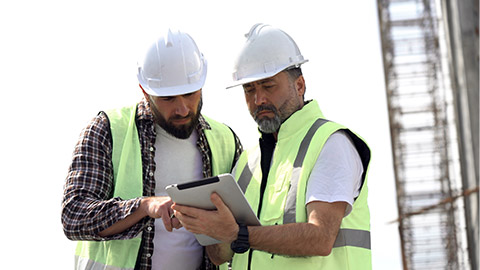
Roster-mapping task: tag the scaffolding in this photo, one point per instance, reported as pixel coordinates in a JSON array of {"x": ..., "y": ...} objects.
[{"x": 423, "y": 135}]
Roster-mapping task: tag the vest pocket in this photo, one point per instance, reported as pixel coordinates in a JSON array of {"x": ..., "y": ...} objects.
[
  {"x": 274, "y": 201},
  {"x": 271, "y": 216},
  {"x": 281, "y": 182}
]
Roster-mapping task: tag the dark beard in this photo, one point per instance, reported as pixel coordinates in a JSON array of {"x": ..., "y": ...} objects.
[{"x": 183, "y": 131}]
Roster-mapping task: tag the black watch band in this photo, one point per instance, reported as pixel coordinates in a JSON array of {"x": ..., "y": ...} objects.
[{"x": 241, "y": 245}]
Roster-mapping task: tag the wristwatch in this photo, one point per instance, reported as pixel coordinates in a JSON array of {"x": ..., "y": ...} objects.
[{"x": 241, "y": 244}]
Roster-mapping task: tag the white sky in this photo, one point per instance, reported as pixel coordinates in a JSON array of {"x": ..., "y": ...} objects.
[{"x": 63, "y": 61}]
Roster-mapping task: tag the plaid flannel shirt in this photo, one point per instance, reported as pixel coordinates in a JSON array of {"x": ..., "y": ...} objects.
[{"x": 88, "y": 205}]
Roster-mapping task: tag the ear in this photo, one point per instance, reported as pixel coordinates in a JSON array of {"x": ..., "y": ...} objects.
[{"x": 300, "y": 85}]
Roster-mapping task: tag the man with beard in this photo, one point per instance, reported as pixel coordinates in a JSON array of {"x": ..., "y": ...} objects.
[
  {"x": 306, "y": 179},
  {"x": 115, "y": 202}
]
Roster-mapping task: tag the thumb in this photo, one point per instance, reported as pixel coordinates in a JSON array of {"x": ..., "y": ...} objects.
[{"x": 218, "y": 202}]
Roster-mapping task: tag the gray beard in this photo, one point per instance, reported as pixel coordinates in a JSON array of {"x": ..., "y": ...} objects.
[{"x": 268, "y": 125}]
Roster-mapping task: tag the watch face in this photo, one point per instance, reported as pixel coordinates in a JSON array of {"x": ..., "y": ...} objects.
[{"x": 239, "y": 247}]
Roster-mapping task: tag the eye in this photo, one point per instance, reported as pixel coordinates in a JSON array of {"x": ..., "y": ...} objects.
[
  {"x": 167, "y": 98},
  {"x": 248, "y": 89},
  {"x": 268, "y": 86}
]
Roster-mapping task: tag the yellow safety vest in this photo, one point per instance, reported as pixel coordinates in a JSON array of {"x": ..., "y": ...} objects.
[
  {"x": 127, "y": 165},
  {"x": 300, "y": 141}
]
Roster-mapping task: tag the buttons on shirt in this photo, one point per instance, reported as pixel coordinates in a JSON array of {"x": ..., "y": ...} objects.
[
  {"x": 150, "y": 173},
  {"x": 151, "y": 149},
  {"x": 149, "y": 228},
  {"x": 148, "y": 255}
]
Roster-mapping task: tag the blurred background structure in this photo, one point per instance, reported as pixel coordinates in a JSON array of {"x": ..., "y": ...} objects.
[{"x": 431, "y": 55}]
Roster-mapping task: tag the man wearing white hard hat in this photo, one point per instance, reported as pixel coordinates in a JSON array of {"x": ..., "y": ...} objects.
[
  {"x": 115, "y": 202},
  {"x": 307, "y": 178}
]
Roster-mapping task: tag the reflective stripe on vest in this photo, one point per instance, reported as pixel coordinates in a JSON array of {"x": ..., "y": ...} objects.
[
  {"x": 354, "y": 238},
  {"x": 85, "y": 263},
  {"x": 291, "y": 205}
]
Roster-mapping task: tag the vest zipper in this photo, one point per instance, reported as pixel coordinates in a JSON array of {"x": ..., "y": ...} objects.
[
  {"x": 267, "y": 146},
  {"x": 250, "y": 253}
]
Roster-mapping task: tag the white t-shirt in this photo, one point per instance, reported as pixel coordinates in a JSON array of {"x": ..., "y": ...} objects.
[
  {"x": 336, "y": 176},
  {"x": 176, "y": 161}
]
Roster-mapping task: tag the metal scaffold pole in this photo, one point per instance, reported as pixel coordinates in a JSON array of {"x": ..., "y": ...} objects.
[{"x": 424, "y": 135}]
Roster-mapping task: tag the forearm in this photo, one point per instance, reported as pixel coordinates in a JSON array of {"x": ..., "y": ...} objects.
[
  {"x": 318, "y": 234},
  {"x": 126, "y": 223},
  {"x": 83, "y": 219},
  {"x": 154, "y": 207},
  {"x": 219, "y": 253},
  {"x": 291, "y": 239}
]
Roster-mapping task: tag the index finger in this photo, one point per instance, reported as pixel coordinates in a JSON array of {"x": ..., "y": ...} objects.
[
  {"x": 167, "y": 222},
  {"x": 186, "y": 210}
]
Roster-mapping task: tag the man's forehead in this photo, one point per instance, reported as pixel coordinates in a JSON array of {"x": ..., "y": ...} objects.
[{"x": 267, "y": 80}]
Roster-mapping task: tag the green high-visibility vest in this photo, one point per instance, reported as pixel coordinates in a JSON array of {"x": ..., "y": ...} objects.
[
  {"x": 300, "y": 141},
  {"x": 127, "y": 165}
]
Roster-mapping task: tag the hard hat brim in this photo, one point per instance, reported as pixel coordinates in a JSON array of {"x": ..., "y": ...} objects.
[
  {"x": 262, "y": 76},
  {"x": 252, "y": 79},
  {"x": 174, "y": 90}
]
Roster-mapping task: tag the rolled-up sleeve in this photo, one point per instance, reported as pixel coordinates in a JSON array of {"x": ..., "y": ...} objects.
[{"x": 88, "y": 206}]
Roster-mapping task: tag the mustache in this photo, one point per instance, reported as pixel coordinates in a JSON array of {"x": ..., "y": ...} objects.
[
  {"x": 265, "y": 108},
  {"x": 179, "y": 117}
]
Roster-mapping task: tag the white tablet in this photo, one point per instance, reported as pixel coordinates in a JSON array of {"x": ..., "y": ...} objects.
[{"x": 197, "y": 194}]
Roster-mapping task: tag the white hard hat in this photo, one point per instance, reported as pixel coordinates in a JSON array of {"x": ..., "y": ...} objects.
[
  {"x": 267, "y": 52},
  {"x": 172, "y": 65}
]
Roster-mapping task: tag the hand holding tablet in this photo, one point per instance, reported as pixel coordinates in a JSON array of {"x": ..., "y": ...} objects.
[{"x": 197, "y": 194}]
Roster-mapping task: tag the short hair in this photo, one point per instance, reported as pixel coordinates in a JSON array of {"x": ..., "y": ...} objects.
[{"x": 293, "y": 73}]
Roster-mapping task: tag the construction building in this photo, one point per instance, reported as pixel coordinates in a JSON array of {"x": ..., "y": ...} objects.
[{"x": 431, "y": 56}]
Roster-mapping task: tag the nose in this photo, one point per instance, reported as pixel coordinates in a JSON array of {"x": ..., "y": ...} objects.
[
  {"x": 260, "y": 97},
  {"x": 181, "y": 107}
]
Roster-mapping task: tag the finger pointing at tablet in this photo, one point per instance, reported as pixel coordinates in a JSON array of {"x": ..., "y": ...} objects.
[{"x": 160, "y": 207}]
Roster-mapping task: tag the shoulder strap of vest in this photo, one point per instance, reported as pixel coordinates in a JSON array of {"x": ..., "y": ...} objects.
[
  {"x": 289, "y": 215},
  {"x": 126, "y": 153},
  {"x": 222, "y": 146}
]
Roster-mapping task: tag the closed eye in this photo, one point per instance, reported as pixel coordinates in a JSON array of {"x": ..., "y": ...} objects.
[{"x": 167, "y": 98}]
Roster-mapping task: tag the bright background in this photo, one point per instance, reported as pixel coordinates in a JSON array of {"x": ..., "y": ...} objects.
[{"x": 63, "y": 61}]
